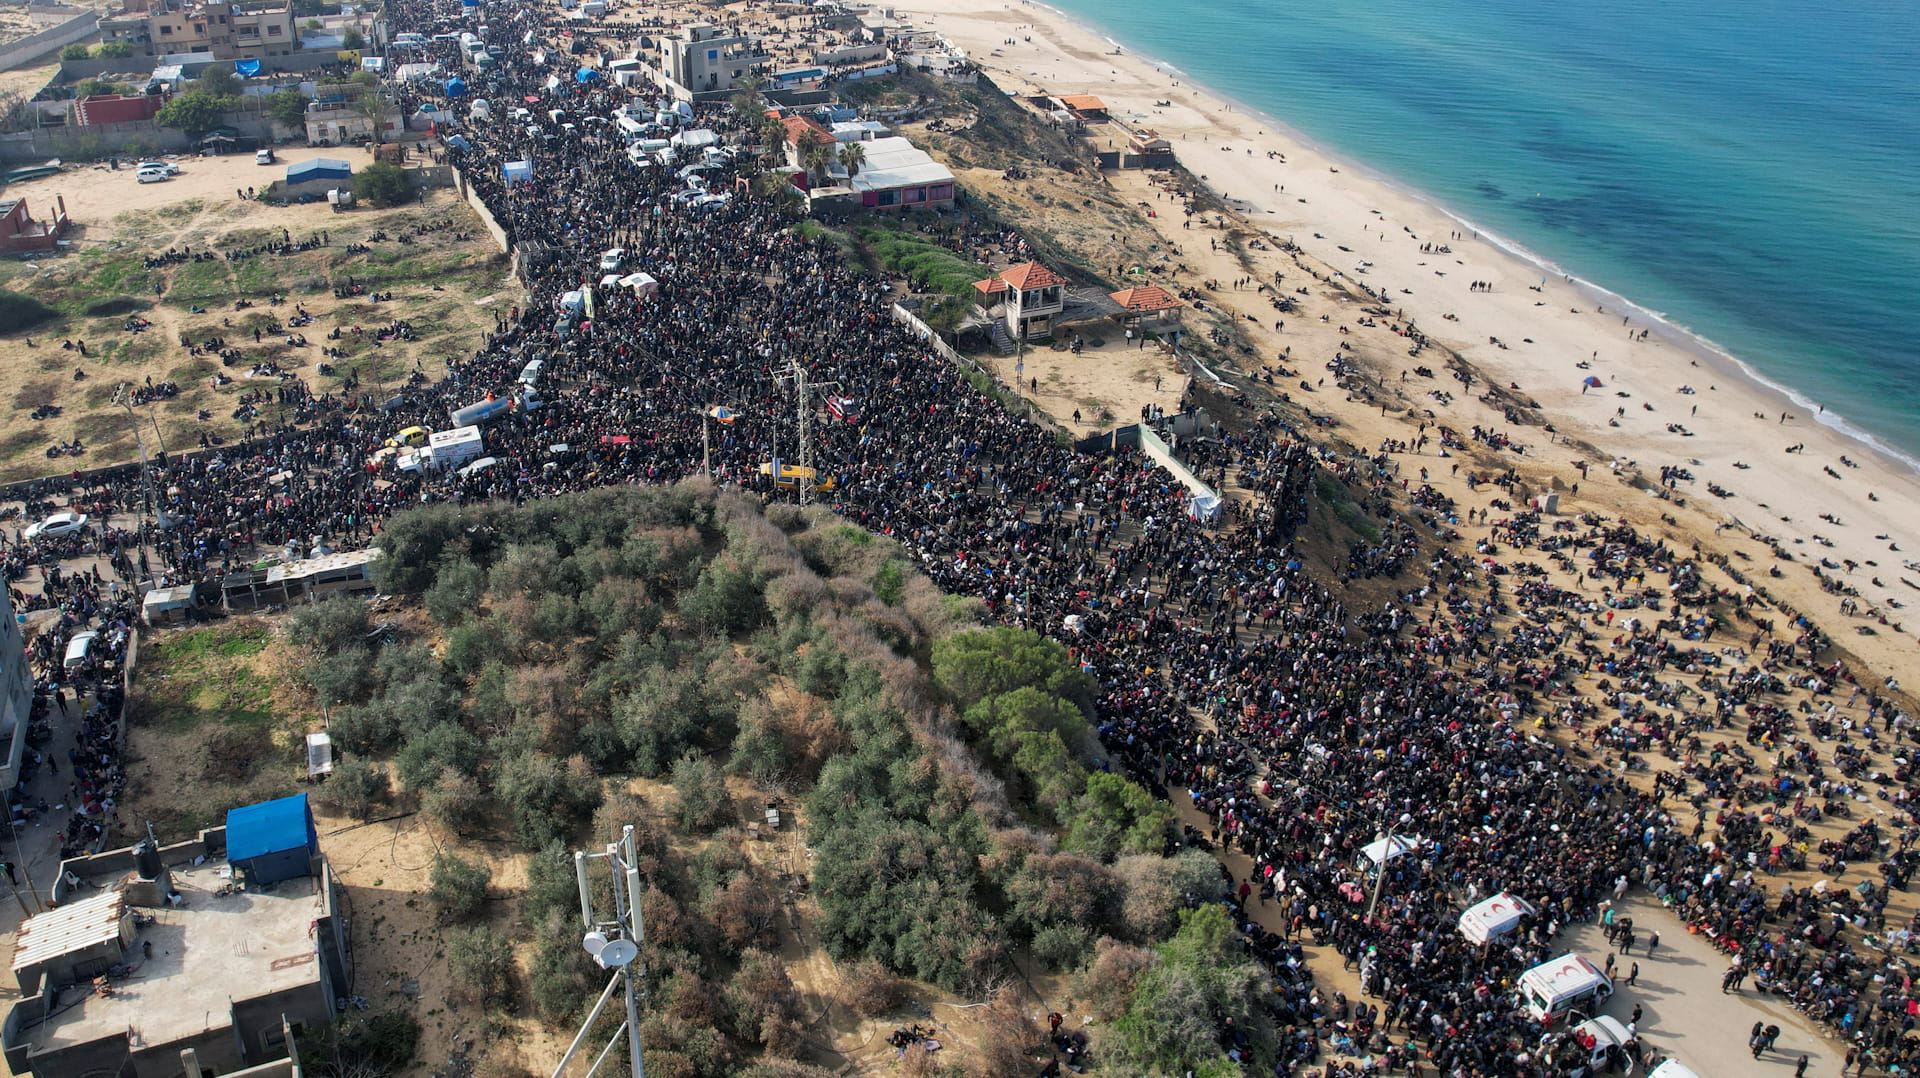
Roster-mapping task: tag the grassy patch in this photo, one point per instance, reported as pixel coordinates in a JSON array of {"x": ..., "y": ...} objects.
[
  {"x": 207, "y": 676},
  {"x": 200, "y": 282}
]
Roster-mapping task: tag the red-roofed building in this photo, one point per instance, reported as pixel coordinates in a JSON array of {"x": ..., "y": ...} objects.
[
  {"x": 1030, "y": 296},
  {"x": 1085, "y": 107},
  {"x": 1148, "y": 309},
  {"x": 800, "y": 130}
]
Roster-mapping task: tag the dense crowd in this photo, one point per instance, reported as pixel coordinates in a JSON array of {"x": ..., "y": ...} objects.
[{"x": 1302, "y": 727}]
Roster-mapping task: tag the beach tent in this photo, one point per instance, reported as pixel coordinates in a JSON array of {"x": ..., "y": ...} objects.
[
  {"x": 1591, "y": 382},
  {"x": 458, "y": 142},
  {"x": 586, "y": 75},
  {"x": 273, "y": 840}
]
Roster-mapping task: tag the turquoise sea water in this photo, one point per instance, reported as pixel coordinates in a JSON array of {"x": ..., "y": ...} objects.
[{"x": 1750, "y": 170}]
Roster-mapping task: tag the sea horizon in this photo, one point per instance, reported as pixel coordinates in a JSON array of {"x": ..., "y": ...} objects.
[{"x": 1696, "y": 263}]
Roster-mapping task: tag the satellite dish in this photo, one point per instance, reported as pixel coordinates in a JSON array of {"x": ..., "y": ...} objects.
[
  {"x": 617, "y": 954},
  {"x": 609, "y": 954}
]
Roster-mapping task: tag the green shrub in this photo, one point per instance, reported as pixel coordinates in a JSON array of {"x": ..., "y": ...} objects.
[
  {"x": 330, "y": 625},
  {"x": 480, "y": 963},
  {"x": 458, "y": 887},
  {"x": 701, "y": 793},
  {"x": 19, "y": 313},
  {"x": 383, "y": 184},
  {"x": 357, "y": 788}
]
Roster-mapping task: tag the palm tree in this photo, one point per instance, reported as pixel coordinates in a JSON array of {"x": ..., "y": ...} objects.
[
  {"x": 813, "y": 154},
  {"x": 852, "y": 156}
]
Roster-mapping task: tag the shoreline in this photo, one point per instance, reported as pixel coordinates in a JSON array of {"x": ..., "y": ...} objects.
[
  {"x": 1836, "y": 514},
  {"x": 1675, "y": 333}
]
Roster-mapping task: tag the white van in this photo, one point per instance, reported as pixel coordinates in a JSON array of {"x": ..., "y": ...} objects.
[
  {"x": 1601, "y": 1042},
  {"x": 1672, "y": 1068},
  {"x": 1568, "y": 983},
  {"x": 1494, "y": 918},
  {"x": 79, "y": 648},
  {"x": 530, "y": 374}
]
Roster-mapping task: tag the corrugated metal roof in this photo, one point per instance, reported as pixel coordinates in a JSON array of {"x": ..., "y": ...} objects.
[
  {"x": 294, "y": 570},
  {"x": 76, "y": 927}
]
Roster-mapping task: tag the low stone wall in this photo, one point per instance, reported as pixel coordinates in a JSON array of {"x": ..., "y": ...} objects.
[{"x": 33, "y": 46}]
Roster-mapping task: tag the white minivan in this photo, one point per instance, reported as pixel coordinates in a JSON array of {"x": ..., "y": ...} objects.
[
  {"x": 1552, "y": 989},
  {"x": 79, "y": 647}
]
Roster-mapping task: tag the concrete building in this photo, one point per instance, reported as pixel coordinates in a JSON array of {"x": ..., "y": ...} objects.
[
  {"x": 894, "y": 174},
  {"x": 155, "y": 965},
  {"x": 335, "y": 117},
  {"x": 20, "y": 232},
  {"x": 16, "y": 690},
  {"x": 1030, "y": 296},
  {"x": 704, "y": 59},
  {"x": 229, "y": 31},
  {"x": 115, "y": 109}
]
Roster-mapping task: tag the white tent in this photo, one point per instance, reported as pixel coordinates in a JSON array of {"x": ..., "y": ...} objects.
[
  {"x": 1493, "y": 918},
  {"x": 642, "y": 283}
]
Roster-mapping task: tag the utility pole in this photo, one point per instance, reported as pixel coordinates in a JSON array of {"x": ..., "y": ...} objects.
[
  {"x": 803, "y": 385},
  {"x": 614, "y": 944},
  {"x": 1380, "y": 870}
]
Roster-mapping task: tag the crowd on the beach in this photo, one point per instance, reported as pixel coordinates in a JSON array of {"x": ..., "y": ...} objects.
[{"x": 1507, "y": 721}]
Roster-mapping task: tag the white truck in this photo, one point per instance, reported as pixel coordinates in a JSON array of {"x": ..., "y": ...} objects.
[{"x": 453, "y": 448}]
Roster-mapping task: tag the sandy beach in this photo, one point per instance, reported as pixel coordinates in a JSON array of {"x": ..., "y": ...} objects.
[{"x": 1663, "y": 399}]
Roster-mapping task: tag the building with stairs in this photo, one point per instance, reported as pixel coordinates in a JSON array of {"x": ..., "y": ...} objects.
[{"x": 1025, "y": 299}]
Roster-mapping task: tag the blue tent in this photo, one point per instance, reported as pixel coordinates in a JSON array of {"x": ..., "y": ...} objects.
[
  {"x": 246, "y": 69},
  {"x": 273, "y": 840},
  {"x": 456, "y": 87},
  {"x": 319, "y": 168},
  {"x": 586, "y": 75}
]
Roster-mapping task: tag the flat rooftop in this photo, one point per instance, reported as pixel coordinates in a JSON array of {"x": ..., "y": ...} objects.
[{"x": 206, "y": 955}]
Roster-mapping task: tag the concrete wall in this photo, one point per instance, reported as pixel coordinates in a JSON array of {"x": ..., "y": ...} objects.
[
  {"x": 472, "y": 198},
  {"x": 96, "y": 140},
  {"x": 17, "y": 53},
  {"x": 75, "y": 70}
]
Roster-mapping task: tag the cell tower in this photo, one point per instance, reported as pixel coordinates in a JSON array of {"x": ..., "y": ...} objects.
[
  {"x": 614, "y": 944},
  {"x": 803, "y": 409}
]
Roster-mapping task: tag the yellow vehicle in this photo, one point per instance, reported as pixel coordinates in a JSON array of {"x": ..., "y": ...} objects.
[
  {"x": 410, "y": 436},
  {"x": 792, "y": 476}
]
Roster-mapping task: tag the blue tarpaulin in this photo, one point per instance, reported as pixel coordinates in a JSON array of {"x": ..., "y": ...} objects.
[
  {"x": 246, "y": 69},
  {"x": 272, "y": 841},
  {"x": 586, "y": 75}
]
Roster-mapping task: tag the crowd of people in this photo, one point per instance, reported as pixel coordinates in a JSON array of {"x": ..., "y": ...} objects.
[{"x": 1506, "y": 721}]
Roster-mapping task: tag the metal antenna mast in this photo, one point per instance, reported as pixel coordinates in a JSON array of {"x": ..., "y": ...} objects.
[
  {"x": 614, "y": 944},
  {"x": 802, "y": 386}
]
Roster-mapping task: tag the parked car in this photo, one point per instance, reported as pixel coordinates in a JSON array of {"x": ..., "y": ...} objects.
[
  {"x": 167, "y": 167},
  {"x": 612, "y": 259},
  {"x": 263, "y": 157},
  {"x": 152, "y": 175},
  {"x": 57, "y": 524}
]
